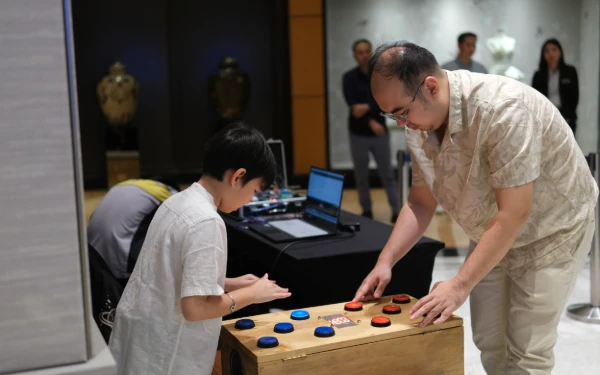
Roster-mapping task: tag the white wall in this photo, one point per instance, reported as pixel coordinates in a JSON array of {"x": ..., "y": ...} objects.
[
  {"x": 435, "y": 25},
  {"x": 42, "y": 316},
  {"x": 589, "y": 79}
]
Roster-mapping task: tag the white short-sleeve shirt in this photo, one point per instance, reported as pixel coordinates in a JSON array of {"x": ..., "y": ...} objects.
[
  {"x": 502, "y": 133},
  {"x": 184, "y": 254}
]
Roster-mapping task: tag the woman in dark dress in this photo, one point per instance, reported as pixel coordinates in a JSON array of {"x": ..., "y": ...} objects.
[{"x": 558, "y": 81}]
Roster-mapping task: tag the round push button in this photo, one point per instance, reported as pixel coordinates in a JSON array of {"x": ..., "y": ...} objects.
[
  {"x": 244, "y": 324},
  {"x": 324, "y": 331},
  {"x": 391, "y": 309},
  {"x": 267, "y": 342},
  {"x": 353, "y": 306},
  {"x": 283, "y": 328},
  {"x": 299, "y": 315},
  {"x": 401, "y": 298},
  {"x": 380, "y": 321}
]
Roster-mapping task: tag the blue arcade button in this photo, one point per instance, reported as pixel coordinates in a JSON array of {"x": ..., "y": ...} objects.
[
  {"x": 267, "y": 342},
  {"x": 284, "y": 328},
  {"x": 300, "y": 315},
  {"x": 324, "y": 331},
  {"x": 244, "y": 324}
]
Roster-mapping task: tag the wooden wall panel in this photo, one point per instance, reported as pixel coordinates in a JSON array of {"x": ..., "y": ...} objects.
[
  {"x": 306, "y": 50},
  {"x": 305, "y": 7},
  {"x": 307, "y": 70},
  {"x": 308, "y": 133}
]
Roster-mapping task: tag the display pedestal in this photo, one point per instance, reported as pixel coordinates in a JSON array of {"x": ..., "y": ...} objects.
[{"x": 121, "y": 166}]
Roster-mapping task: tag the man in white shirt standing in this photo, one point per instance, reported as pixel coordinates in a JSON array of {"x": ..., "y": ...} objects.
[{"x": 502, "y": 161}]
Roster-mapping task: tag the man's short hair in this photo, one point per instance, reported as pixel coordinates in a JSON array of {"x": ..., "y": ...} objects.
[
  {"x": 410, "y": 64},
  {"x": 463, "y": 36},
  {"x": 357, "y": 42},
  {"x": 240, "y": 146}
]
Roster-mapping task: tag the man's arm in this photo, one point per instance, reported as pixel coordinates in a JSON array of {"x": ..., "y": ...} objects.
[
  {"x": 575, "y": 89},
  {"x": 513, "y": 146},
  {"x": 514, "y": 206},
  {"x": 414, "y": 218},
  {"x": 412, "y": 222},
  {"x": 358, "y": 109}
]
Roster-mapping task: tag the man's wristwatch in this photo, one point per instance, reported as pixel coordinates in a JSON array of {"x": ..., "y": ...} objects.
[{"x": 232, "y": 302}]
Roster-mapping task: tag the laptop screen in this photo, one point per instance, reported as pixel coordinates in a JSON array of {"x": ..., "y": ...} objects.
[{"x": 324, "y": 195}]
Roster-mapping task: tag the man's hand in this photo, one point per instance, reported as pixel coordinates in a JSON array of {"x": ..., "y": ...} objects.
[
  {"x": 445, "y": 298},
  {"x": 377, "y": 128},
  {"x": 379, "y": 277},
  {"x": 236, "y": 283},
  {"x": 359, "y": 110}
]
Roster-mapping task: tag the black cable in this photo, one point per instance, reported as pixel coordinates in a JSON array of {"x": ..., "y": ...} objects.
[
  {"x": 340, "y": 238},
  {"x": 271, "y": 274}
]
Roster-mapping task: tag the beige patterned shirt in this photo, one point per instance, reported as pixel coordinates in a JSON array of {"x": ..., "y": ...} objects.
[{"x": 500, "y": 134}]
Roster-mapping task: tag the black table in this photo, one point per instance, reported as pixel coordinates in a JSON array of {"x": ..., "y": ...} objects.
[{"x": 328, "y": 270}]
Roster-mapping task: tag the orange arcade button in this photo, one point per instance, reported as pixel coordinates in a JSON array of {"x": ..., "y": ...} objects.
[
  {"x": 401, "y": 299},
  {"x": 391, "y": 309},
  {"x": 353, "y": 306},
  {"x": 381, "y": 321}
]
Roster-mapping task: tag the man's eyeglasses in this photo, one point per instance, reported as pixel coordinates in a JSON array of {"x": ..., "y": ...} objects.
[{"x": 403, "y": 118}]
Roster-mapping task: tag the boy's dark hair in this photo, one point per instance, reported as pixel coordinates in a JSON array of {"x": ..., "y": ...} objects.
[
  {"x": 410, "y": 65},
  {"x": 357, "y": 42},
  {"x": 240, "y": 146},
  {"x": 463, "y": 36}
]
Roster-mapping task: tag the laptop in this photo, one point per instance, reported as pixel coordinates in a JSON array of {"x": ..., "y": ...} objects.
[{"x": 320, "y": 215}]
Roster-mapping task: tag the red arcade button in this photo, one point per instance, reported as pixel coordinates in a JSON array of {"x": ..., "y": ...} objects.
[
  {"x": 401, "y": 298},
  {"x": 380, "y": 321},
  {"x": 353, "y": 306},
  {"x": 391, "y": 309}
]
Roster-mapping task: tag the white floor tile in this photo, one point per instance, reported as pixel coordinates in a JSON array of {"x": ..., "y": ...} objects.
[{"x": 577, "y": 349}]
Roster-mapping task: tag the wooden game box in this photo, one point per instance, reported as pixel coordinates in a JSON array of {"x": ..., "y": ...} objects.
[{"x": 356, "y": 347}]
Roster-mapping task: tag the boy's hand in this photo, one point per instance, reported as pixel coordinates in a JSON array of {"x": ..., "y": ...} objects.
[
  {"x": 265, "y": 290},
  {"x": 236, "y": 283}
]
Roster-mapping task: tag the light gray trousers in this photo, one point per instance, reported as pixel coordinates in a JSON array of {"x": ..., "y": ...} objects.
[{"x": 379, "y": 147}]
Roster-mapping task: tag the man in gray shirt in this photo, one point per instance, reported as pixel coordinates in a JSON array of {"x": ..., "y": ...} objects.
[{"x": 466, "y": 48}]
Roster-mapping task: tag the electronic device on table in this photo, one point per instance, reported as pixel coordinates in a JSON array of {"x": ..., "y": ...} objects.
[
  {"x": 320, "y": 215},
  {"x": 278, "y": 200}
]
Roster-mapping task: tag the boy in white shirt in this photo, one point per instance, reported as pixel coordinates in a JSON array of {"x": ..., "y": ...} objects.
[{"x": 169, "y": 317}]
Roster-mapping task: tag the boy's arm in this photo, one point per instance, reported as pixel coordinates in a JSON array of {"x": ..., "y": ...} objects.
[
  {"x": 204, "y": 263},
  {"x": 211, "y": 307},
  {"x": 236, "y": 283}
]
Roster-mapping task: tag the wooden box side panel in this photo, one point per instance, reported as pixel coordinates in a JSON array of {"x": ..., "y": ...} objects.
[
  {"x": 437, "y": 352},
  {"x": 229, "y": 345}
]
